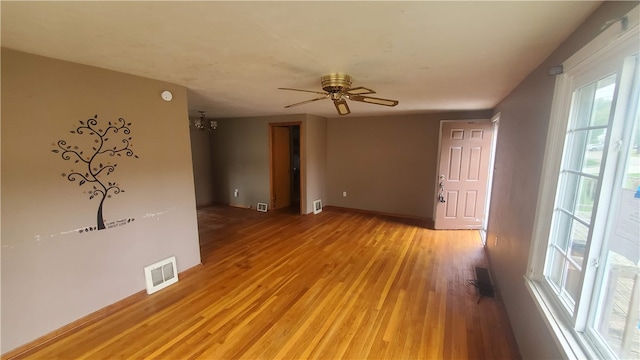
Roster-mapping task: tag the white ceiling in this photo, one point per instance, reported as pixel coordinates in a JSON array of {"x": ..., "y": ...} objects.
[{"x": 431, "y": 56}]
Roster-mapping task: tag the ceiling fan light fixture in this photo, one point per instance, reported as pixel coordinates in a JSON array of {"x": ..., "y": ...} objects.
[{"x": 337, "y": 87}]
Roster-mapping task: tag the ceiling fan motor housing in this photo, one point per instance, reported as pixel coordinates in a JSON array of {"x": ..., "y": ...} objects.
[{"x": 335, "y": 83}]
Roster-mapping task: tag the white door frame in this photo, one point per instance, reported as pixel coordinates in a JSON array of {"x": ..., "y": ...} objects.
[{"x": 495, "y": 120}]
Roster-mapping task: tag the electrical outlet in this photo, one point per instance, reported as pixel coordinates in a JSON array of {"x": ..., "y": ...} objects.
[
  {"x": 235, "y": 193},
  {"x": 495, "y": 242},
  {"x": 344, "y": 194}
]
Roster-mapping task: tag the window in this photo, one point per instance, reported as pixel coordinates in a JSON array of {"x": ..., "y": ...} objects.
[
  {"x": 578, "y": 180},
  {"x": 584, "y": 265}
]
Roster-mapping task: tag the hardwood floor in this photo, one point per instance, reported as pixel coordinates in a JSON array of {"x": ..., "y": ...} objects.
[{"x": 334, "y": 285}]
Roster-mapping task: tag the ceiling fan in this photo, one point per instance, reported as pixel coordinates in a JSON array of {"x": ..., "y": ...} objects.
[{"x": 337, "y": 87}]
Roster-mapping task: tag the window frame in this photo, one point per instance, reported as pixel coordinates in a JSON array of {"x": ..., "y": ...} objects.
[
  {"x": 622, "y": 130},
  {"x": 567, "y": 330}
]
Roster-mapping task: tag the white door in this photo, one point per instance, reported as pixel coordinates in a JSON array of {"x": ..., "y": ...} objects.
[{"x": 465, "y": 154}]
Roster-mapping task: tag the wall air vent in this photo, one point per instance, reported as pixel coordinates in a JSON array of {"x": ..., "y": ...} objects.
[
  {"x": 317, "y": 206},
  {"x": 161, "y": 274}
]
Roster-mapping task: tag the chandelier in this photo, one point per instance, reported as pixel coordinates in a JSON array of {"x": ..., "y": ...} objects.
[{"x": 203, "y": 124}]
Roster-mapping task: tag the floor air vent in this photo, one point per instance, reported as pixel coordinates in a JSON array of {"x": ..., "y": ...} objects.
[
  {"x": 161, "y": 274},
  {"x": 483, "y": 282}
]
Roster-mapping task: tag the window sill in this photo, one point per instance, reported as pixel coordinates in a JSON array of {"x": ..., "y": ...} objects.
[{"x": 572, "y": 345}]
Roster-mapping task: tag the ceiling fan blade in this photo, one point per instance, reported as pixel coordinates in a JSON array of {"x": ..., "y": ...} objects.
[
  {"x": 341, "y": 106},
  {"x": 308, "y": 101},
  {"x": 359, "y": 91},
  {"x": 311, "y": 91},
  {"x": 372, "y": 100}
]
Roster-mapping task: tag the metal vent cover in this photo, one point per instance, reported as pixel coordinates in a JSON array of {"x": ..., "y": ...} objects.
[{"x": 161, "y": 274}]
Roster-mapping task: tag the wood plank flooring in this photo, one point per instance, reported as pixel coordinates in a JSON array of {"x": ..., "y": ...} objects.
[{"x": 336, "y": 285}]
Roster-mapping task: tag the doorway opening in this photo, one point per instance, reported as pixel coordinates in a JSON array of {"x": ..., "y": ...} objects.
[{"x": 285, "y": 143}]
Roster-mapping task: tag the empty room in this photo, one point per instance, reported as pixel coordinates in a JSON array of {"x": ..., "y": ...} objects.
[{"x": 326, "y": 180}]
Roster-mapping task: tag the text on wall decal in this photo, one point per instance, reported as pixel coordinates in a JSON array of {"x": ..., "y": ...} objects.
[{"x": 95, "y": 147}]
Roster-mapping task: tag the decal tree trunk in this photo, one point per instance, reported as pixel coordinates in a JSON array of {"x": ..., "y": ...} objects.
[{"x": 100, "y": 218}]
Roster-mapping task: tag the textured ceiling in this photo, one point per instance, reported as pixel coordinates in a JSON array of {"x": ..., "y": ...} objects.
[{"x": 431, "y": 56}]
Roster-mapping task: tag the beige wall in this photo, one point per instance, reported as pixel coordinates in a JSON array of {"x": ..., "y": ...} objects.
[
  {"x": 51, "y": 273},
  {"x": 386, "y": 163},
  {"x": 520, "y": 149},
  {"x": 202, "y": 168},
  {"x": 240, "y": 158},
  {"x": 316, "y": 160}
]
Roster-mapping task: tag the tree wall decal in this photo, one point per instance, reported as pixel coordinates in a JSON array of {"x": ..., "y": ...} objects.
[{"x": 91, "y": 156}]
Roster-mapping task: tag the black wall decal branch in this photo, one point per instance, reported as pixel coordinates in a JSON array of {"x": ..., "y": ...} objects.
[{"x": 94, "y": 160}]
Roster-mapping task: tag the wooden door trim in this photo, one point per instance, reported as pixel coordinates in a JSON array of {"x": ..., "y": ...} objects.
[{"x": 303, "y": 165}]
